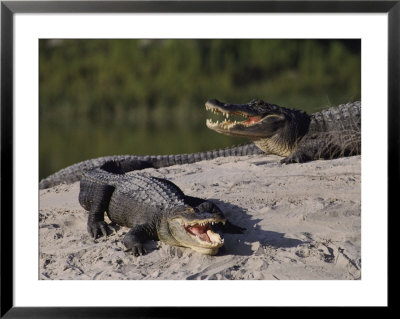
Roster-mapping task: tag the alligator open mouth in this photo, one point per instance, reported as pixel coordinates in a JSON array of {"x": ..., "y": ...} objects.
[
  {"x": 203, "y": 232},
  {"x": 232, "y": 118},
  {"x": 197, "y": 233}
]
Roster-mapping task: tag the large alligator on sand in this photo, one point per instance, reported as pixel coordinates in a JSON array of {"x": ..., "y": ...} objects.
[
  {"x": 299, "y": 137},
  {"x": 153, "y": 208},
  {"x": 290, "y": 133}
]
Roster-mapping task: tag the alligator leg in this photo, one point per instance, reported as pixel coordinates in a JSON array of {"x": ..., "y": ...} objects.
[
  {"x": 135, "y": 239},
  {"x": 301, "y": 155},
  {"x": 326, "y": 145},
  {"x": 101, "y": 195}
]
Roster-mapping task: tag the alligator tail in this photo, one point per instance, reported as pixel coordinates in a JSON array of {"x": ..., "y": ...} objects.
[{"x": 128, "y": 163}]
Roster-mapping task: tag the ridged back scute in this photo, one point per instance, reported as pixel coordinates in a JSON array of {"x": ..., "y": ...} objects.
[
  {"x": 149, "y": 186},
  {"x": 337, "y": 118},
  {"x": 139, "y": 198}
]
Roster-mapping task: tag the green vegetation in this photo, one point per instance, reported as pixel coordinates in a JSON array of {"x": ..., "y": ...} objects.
[{"x": 104, "y": 97}]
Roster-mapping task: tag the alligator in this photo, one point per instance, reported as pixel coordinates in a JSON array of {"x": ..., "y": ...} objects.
[
  {"x": 153, "y": 208},
  {"x": 290, "y": 133},
  {"x": 293, "y": 134}
]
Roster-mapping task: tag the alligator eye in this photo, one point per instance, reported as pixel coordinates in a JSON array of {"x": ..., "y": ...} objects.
[{"x": 256, "y": 102}]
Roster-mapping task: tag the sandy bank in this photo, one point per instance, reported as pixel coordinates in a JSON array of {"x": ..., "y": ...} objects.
[{"x": 303, "y": 221}]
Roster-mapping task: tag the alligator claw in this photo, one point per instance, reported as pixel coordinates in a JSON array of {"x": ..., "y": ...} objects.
[
  {"x": 97, "y": 229},
  {"x": 134, "y": 244},
  {"x": 296, "y": 157},
  {"x": 137, "y": 250}
]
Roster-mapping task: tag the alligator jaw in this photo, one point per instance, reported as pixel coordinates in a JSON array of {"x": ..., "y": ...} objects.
[
  {"x": 226, "y": 126},
  {"x": 196, "y": 234},
  {"x": 239, "y": 111},
  {"x": 202, "y": 231},
  {"x": 273, "y": 129}
]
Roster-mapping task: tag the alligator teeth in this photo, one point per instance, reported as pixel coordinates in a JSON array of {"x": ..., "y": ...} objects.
[{"x": 226, "y": 123}]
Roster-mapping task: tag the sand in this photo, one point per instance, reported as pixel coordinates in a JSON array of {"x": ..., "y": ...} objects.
[{"x": 303, "y": 221}]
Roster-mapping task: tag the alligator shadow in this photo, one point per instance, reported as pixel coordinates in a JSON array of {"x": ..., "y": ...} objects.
[{"x": 240, "y": 244}]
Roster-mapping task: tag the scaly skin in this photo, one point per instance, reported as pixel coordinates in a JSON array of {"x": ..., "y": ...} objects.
[
  {"x": 128, "y": 163},
  {"x": 293, "y": 134},
  {"x": 153, "y": 208}
]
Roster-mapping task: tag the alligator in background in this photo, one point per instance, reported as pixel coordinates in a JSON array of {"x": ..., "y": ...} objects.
[
  {"x": 153, "y": 208},
  {"x": 299, "y": 137},
  {"x": 290, "y": 133}
]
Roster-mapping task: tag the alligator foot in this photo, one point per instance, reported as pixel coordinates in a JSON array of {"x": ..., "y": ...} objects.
[
  {"x": 301, "y": 155},
  {"x": 133, "y": 241},
  {"x": 98, "y": 228},
  {"x": 297, "y": 158},
  {"x": 137, "y": 250}
]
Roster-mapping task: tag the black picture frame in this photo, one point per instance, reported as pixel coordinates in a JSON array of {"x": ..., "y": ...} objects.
[{"x": 9, "y": 8}]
